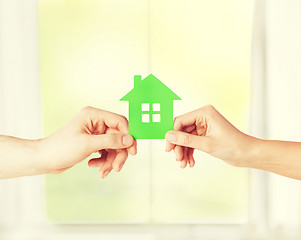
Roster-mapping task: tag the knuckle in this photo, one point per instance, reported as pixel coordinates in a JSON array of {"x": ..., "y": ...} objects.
[
  {"x": 209, "y": 107},
  {"x": 86, "y": 109},
  {"x": 177, "y": 123},
  {"x": 176, "y": 119},
  {"x": 124, "y": 119},
  {"x": 208, "y": 110}
]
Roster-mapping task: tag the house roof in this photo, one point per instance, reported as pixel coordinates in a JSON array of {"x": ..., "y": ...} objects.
[{"x": 148, "y": 89}]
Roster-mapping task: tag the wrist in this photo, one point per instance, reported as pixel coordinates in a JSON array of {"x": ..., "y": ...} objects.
[
  {"x": 252, "y": 152},
  {"x": 40, "y": 155},
  {"x": 30, "y": 155}
]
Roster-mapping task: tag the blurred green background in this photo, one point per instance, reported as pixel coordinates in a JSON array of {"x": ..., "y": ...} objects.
[{"x": 91, "y": 49}]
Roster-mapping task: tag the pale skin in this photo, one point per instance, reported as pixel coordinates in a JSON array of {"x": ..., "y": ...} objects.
[
  {"x": 205, "y": 129},
  {"x": 91, "y": 130},
  {"x": 94, "y": 130}
]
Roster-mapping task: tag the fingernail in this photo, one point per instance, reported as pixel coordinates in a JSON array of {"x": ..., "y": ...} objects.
[
  {"x": 106, "y": 174},
  {"x": 177, "y": 157},
  {"x": 170, "y": 137},
  {"x": 127, "y": 140},
  {"x": 182, "y": 164}
]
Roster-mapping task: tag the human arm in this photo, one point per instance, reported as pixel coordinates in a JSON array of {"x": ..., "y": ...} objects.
[
  {"x": 91, "y": 130},
  {"x": 207, "y": 130}
]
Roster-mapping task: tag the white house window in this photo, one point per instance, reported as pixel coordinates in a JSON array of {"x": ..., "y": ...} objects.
[
  {"x": 156, "y": 107},
  {"x": 156, "y": 117},
  {"x": 145, "y": 107},
  {"x": 145, "y": 117}
]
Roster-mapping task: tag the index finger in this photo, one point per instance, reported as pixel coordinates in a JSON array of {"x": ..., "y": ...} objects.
[
  {"x": 181, "y": 122},
  {"x": 187, "y": 119},
  {"x": 102, "y": 118},
  {"x": 113, "y": 120},
  {"x": 120, "y": 123}
]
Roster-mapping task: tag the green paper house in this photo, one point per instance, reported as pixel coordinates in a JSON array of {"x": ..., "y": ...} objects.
[{"x": 150, "y": 108}]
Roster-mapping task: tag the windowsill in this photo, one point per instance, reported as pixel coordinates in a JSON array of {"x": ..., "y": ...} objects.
[{"x": 144, "y": 232}]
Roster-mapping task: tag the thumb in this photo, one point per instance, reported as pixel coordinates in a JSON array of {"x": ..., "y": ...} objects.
[
  {"x": 111, "y": 141},
  {"x": 188, "y": 140}
]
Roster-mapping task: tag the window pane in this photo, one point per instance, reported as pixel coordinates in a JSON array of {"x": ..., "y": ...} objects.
[
  {"x": 156, "y": 118},
  {"x": 145, "y": 106},
  {"x": 145, "y": 118},
  {"x": 211, "y": 40},
  {"x": 156, "y": 107},
  {"x": 90, "y": 52}
]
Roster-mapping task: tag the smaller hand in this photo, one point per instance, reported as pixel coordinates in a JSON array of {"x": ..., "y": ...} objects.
[
  {"x": 91, "y": 130},
  {"x": 207, "y": 130}
]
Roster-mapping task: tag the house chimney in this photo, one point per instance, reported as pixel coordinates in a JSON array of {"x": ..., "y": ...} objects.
[{"x": 137, "y": 80}]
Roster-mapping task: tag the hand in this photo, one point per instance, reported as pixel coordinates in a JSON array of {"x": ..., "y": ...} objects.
[
  {"x": 207, "y": 130},
  {"x": 91, "y": 130}
]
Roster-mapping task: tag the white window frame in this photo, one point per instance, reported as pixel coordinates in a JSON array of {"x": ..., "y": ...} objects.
[{"x": 27, "y": 217}]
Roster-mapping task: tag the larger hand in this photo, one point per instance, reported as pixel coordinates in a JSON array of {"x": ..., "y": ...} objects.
[{"x": 91, "y": 130}]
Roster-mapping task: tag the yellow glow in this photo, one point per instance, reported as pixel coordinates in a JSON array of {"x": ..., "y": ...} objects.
[{"x": 90, "y": 51}]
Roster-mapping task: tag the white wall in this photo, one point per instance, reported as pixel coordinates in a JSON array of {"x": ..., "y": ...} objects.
[
  {"x": 283, "y": 74},
  {"x": 19, "y": 103},
  {"x": 276, "y": 110}
]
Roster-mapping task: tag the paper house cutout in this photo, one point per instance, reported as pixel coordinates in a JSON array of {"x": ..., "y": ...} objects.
[{"x": 150, "y": 108}]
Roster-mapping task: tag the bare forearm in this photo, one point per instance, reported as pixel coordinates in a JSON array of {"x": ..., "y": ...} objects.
[
  {"x": 19, "y": 157},
  {"x": 280, "y": 157}
]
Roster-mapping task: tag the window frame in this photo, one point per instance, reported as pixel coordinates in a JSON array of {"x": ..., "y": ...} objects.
[
  {"x": 151, "y": 112},
  {"x": 27, "y": 217}
]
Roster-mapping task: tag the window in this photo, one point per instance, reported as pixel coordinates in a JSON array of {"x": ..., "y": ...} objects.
[
  {"x": 145, "y": 107},
  {"x": 156, "y": 117},
  {"x": 155, "y": 108},
  {"x": 145, "y": 118},
  {"x": 103, "y": 44},
  {"x": 21, "y": 201}
]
